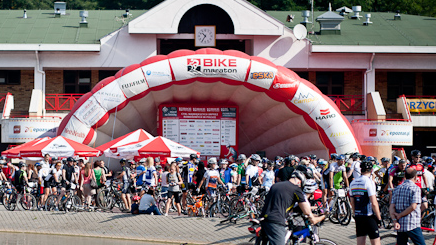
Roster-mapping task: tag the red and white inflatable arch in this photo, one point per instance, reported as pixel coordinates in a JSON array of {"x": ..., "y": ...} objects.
[{"x": 279, "y": 112}]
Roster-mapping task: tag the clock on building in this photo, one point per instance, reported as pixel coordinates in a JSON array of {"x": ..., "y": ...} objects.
[{"x": 205, "y": 36}]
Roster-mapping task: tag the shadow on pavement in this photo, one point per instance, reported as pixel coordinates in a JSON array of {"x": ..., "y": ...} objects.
[
  {"x": 247, "y": 237},
  {"x": 120, "y": 216}
]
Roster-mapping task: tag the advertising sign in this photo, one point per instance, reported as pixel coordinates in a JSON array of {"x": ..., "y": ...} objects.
[
  {"x": 384, "y": 133},
  {"x": 24, "y": 129},
  {"x": 210, "y": 66},
  {"x": 421, "y": 105},
  {"x": 211, "y": 130}
]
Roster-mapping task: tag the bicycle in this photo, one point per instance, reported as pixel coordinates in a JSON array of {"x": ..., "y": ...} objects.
[
  {"x": 307, "y": 234},
  {"x": 68, "y": 202},
  {"x": 340, "y": 209},
  {"x": 221, "y": 204},
  {"x": 243, "y": 206},
  {"x": 110, "y": 197},
  {"x": 383, "y": 202},
  {"x": 12, "y": 199}
]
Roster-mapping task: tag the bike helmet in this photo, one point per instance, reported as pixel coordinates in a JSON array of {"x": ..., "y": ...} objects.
[
  {"x": 233, "y": 165},
  {"x": 70, "y": 159},
  {"x": 193, "y": 156},
  {"x": 38, "y": 164},
  {"x": 355, "y": 155},
  {"x": 322, "y": 162},
  {"x": 312, "y": 156},
  {"x": 416, "y": 153},
  {"x": 333, "y": 156},
  {"x": 212, "y": 160},
  {"x": 242, "y": 157},
  {"x": 278, "y": 158},
  {"x": 292, "y": 157},
  {"x": 54, "y": 159},
  {"x": 385, "y": 159},
  {"x": 122, "y": 160},
  {"x": 136, "y": 198},
  {"x": 21, "y": 164},
  {"x": 142, "y": 160},
  {"x": 370, "y": 158},
  {"x": 340, "y": 157},
  {"x": 310, "y": 186},
  {"x": 306, "y": 171},
  {"x": 255, "y": 157},
  {"x": 301, "y": 176},
  {"x": 223, "y": 161},
  {"x": 179, "y": 159},
  {"x": 429, "y": 160},
  {"x": 366, "y": 166}
]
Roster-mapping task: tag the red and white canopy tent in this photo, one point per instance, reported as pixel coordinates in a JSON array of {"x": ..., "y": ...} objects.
[
  {"x": 59, "y": 147},
  {"x": 130, "y": 138},
  {"x": 15, "y": 152},
  {"x": 156, "y": 147}
]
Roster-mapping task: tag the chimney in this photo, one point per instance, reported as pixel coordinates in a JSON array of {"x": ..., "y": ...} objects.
[
  {"x": 306, "y": 15},
  {"x": 367, "y": 22},
  {"x": 356, "y": 10},
  {"x": 330, "y": 23},
  {"x": 397, "y": 16},
  {"x": 83, "y": 22},
  {"x": 60, "y": 9},
  {"x": 25, "y": 14}
]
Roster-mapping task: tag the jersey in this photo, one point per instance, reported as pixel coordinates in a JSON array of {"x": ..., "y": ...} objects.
[
  {"x": 139, "y": 179},
  {"x": 337, "y": 174},
  {"x": 355, "y": 167},
  {"x": 419, "y": 173},
  {"x": 188, "y": 172},
  {"x": 398, "y": 176},
  {"x": 149, "y": 176},
  {"x": 361, "y": 189},
  {"x": 241, "y": 171},
  {"x": 212, "y": 178}
]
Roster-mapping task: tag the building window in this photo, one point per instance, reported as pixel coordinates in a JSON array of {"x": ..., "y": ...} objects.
[
  {"x": 331, "y": 83},
  {"x": 400, "y": 83},
  {"x": 106, "y": 73},
  {"x": 77, "y": 82},
  {"x": 10, "y": 77},
  {"x": 303, "y": 74},
  {"x": 428, "y": 84}
]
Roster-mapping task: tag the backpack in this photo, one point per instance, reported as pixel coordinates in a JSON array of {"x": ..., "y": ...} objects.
[{"x": 18, "y": 177}]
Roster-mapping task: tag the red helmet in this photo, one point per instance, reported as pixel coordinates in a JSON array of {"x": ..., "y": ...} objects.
[{"x": 136, "y": 198}]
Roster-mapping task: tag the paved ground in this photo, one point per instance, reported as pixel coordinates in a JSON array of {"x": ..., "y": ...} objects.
[{"x": 150, "y": 228}]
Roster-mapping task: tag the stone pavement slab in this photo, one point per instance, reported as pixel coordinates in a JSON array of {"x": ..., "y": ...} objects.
[{"x": 151, "y": 227}]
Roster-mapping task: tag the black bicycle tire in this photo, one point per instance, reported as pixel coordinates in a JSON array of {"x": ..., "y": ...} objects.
[
  {"x": 161, "y": 206},
  {"x": 347, "y": 220},
  {"x": 9, "y": 205},
  {"x": 388, "y": 235},
  {"x": 32, "y": 200},
  {"x": 326, "y": 242},
  {"x": 225, "y": 206},
  {"x": 50, "y": 204},
  {"x": 428, "y": 221},
  {"x": 332, "y": 213},
  {"x": 384, "y": 212},
  {"x": 108, "y": 203}
]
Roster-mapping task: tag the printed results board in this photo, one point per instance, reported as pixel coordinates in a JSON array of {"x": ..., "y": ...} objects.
[{"x": 211, "y": 130}]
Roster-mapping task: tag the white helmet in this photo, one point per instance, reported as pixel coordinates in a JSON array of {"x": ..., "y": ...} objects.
[
  {"x": 310, "y": 186},
  {"x": 212, "y": 160}
]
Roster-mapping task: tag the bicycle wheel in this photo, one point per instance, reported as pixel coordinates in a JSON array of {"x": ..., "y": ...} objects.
[
  {"x": 237, "y": 208},
  {"x": 161, "y": 206},
  {"x": 389, "y": 238},
  {"x": 333, "y": 215},
  {"x": 72, "y": 204},
  {"x": 224, "y": 209},
  {"x": 10, "y": 201},
  {"x": 105, "y": 200},
  {"x": 345, "y": 215},
  {"x": 428, "y": 220},
  {"x": 325, "y": 241},
  {"x": 50, "y": 203},
  {"x": 26, "y": 202},
  {"x": 386, "y": 218}
]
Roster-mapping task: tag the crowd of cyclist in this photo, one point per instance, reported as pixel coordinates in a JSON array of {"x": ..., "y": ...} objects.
[{"x": 140, "y": 180}]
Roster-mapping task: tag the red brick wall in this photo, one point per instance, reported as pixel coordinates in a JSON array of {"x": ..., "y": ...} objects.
[
  {"x": 353, "y": 81},
  {"x": 54, "y": 82},
  {"x": 22, "y": 92}
]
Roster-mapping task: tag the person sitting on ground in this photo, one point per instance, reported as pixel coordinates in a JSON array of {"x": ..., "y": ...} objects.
[{"x": 147, "y": 205}]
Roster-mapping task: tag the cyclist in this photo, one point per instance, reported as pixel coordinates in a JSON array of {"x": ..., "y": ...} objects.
[
  {"x": 2, "y": 175},
  {"x": 211, "y": 178},
  {"x": 365, "y": 206},
  {"x": 187, "y": 173},
  {"x": 150, "y": 179},
  {"x": 354, "y": 171},
  {"x": 420, "y": 177},
  {"x": 20, "y": 180},
  {"x": 396, "y": 176},
  {"x": 252, "y": 170},
  {"x": 280, "y": 200},
  {"x": 46, "y": 162},
  {"x": 337, "y": 173},
  {"x": 232, "y": 154},
  {"x": 285, "y": 173},
  {"x": 267, "y": 177},
  {"x": 42, "y": 174},
  {"x": 384, "y": 171},
  {"x": 241, "y": 160},
  {"x": 125, "y": 176}
]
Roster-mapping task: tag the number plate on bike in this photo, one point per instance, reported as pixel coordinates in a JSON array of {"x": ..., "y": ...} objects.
[{"x": 341, "y": 193}]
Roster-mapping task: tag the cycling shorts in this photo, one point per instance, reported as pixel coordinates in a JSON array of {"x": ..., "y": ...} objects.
[
  {"x": 367, "y": 226},
  {"x": 175, "y": 195},
  {"x": 126, "y": 188}
]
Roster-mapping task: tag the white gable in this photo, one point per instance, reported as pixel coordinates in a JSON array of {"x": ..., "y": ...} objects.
[{"x": 247, "y": 19}]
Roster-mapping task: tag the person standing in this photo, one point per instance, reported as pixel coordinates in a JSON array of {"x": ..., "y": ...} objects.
[
  {"x": 365, "y": 206},
  {"x": 405, "y": 210}
]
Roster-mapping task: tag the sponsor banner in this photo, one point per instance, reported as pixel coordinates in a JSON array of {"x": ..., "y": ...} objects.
[
  {"x": 325, "y": 115},
  {"x": 421, "y": 105},
  {"x": 306, "y": 99},
  {"x": 133, "y": 83},
  {"x": 339, "y": 134},
  {"x": 261, "y": 75},
  {"x": 58, "y": 148},
  {"x": 284, "y": 87},
  {"x": 224, "y": 66},
  {"x": 75, "y": 130},
  {"x": 90, "y": 112},
  {"x": 210, "y": 130},
  {"x": 384, "y": 133},
  {"x": 157, "y": 73},
  {"x": 25, "y": 129},
  {"x": 110, "y": 96}
]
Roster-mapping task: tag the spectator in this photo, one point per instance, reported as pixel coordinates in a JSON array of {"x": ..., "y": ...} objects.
[
  {"x": 174, "y": 181},
  {"x": 108, "y": 174},
  {"x": 267, "y": 177},
  {"x": 405, "y": 210},
  {"x": 198, "y": 176},
  {"x": 125, "y": 177},
  {"x": 150, "y": 178},
  {"x": 164, "y": 183},
  {"x": 32, "y": 172},
  {"x": 85, "y": 183},
  {"x": 285, "y": 173},
  {"x": 99, "y": 174},
  {"x": 147, "y": 205}
]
